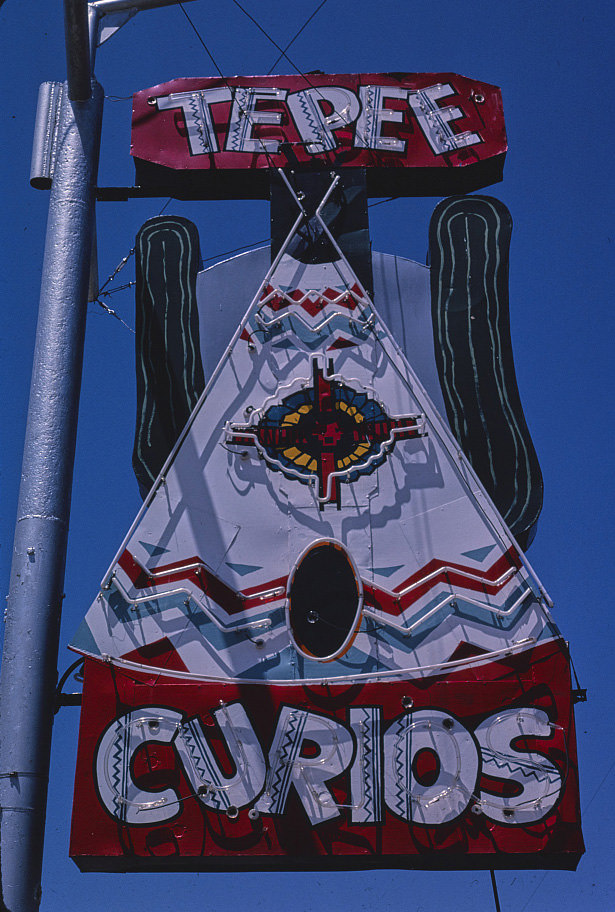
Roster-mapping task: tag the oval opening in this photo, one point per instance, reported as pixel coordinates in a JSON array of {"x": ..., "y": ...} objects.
[
  {"x": 324, "y": 601},
  {"x": 426, "y": 767}
]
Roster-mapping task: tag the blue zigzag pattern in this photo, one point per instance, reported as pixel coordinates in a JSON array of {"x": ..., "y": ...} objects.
[
  {"x": 527, "y": 769},
  {"x": 370, "y": 120},
  {"x": 199, "y": 753},
  {"x": 194, "y": 107},
  {"x": 400, "y": 772},
  {"x": 236, "y": 129},
  {"x": 119, "y": 751},
  {"x": 312, "y": 121},
  {"x": 287, "y": 752}
]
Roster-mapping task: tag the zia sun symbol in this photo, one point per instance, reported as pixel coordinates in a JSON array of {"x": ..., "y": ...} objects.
[{"x": 326, "y": 432}]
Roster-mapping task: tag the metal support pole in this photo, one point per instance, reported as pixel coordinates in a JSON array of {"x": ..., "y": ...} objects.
[
  {"x": 77, "y": 49},
  {"x": 32, "y": 617}
]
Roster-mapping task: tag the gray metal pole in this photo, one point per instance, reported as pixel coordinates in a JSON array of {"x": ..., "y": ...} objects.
[
  {"x": 76, "y": 38},
  {"x": 28, "y": 678}
]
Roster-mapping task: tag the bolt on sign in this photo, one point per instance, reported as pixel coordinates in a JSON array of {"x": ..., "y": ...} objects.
[{"x": 321, "y": 643}]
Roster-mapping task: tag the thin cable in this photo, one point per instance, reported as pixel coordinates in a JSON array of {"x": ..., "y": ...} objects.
[
  {"x": 583, "y": 812},
  {"x": 496, "y": 898},
  {"x": 581, "y": 691},
  {"x": 537, "y": 887},
  {"x": 266, "y": 34},
  {"x": 283, "y": 53},
  {"x": 603, "y": 780},
  {"x": 391, "y": 199},
  {"x": 196, "y": 32},
  {"x": 252, "y": 246},
  {"x": 275, "y": 44},
  {"x": 232, "y": 89},
  {"x": 117, "y": 269},
  {"x": 303, "y": 27},
  {"x": 112, "y": 313},
  {"x": 107, "y": 294}
]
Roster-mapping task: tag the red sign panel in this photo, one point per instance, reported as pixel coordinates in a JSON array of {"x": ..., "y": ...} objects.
[
  {"x": 471, "y": 768},
  {"x": 404, "y": 121}
]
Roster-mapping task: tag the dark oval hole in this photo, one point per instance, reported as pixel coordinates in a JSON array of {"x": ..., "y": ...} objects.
[
  {"x": 426, "y": 767},
  {"x": 309, "y": 749},
  {"x": 323, "y": 600},
  {"x": 506, "y": 788}
]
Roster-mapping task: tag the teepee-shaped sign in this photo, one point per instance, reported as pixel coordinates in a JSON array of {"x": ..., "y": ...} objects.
[{"x": 319, "y": 643}]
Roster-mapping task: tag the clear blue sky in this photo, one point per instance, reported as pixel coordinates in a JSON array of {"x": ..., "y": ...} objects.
[{"x": 553, "y": 63}]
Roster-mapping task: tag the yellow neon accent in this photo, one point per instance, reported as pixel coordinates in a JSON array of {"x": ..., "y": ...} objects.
[
  {"x": 293, "y": 418},
  {"x": 313, "y": 465},
  {"x": 303, "y": 460},
  {"x": 304, "y": 409},
  {"x": 291, "y": 453},
  {"x": 350, "y": 410}
]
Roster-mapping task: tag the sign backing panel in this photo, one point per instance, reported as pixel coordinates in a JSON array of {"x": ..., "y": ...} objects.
[
  {"x": 414, "y": 133},
  {"x": 476, "y": 768}
]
